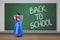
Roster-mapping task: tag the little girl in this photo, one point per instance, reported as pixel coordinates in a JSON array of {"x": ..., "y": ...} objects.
[{"x": 18, "y": 31}]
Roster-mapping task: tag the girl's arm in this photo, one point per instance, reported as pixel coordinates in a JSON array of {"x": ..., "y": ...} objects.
[
  {"x": 21, "y": 17},
  {"x": 14, "y": 17}
]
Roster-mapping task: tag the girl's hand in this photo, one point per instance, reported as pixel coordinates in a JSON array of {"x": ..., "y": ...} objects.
[
  {"x": 14, "y": 17},
  {"x": 21, "y": 16}
]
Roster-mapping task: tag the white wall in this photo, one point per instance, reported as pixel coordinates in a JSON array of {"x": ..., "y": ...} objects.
[
  {"x": 27, "y": 1},
  {"x": 1, "y": 16}
]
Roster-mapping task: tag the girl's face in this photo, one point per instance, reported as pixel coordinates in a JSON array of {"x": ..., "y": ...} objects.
[{"x": 17, "y": 15}]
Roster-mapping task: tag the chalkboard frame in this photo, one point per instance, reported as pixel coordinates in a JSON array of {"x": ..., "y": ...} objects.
[{"x": 38, "y": 31}]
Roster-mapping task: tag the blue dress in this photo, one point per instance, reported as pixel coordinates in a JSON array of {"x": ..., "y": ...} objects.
[{"x": 18, "y": 28}]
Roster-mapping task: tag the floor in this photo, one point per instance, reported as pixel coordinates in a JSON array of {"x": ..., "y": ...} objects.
[{"x": 30, "y": 37}]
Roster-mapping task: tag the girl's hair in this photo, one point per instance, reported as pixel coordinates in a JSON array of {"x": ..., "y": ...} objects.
[{"x": 18, "y": 13}]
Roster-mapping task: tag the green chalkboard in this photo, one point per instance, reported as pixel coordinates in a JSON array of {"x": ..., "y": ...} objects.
[{"x": 37, "y": 16}]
